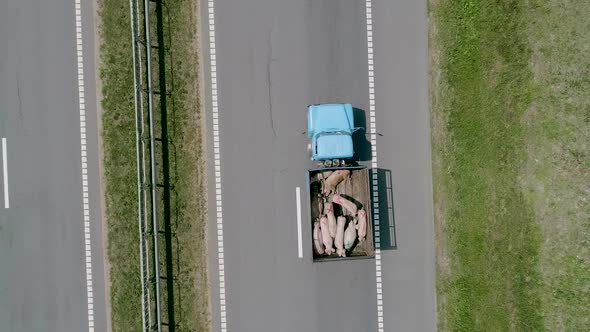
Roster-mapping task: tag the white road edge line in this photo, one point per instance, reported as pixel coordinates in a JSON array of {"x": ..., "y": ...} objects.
[
  {"x": 5, "y": 174},
  {"x": 375, "y": 189},
  {"x": 84, "y": 162},
  {"x": 299, "y": 240},
  {"x": 217, "y": 163}
]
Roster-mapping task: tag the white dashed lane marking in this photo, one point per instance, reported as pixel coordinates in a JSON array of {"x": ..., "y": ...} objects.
[
  {"x": 5, "y": 174},
  {"x": 373, "y": 140},
  {"x": 84, "y": 162},
  {"x": 299, "y": 232},
  {"x": 217, "y": 163}
]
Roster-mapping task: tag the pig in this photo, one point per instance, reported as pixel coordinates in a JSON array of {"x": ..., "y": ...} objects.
[
  {"x": 339, "y": 241},
  {"x": 317, "y": 243},
  {"x": 361, "y": 225},
  {"x": 324, "y": 175},
  {"x": 317, "y": 206},
  {"x": 329, "y": 212},
  {"x": 326, "y": 238},
  {"x": 349, "y": 236},
  {"x": 334, "y": 179},
  {"x": 346, "y": 204}
]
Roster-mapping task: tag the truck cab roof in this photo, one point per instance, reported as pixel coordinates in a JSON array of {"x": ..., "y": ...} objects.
[
  {"x": 329, "y": 117},
  {"x": 330, "y": 128},
  {"x": 333, "y": 145}
]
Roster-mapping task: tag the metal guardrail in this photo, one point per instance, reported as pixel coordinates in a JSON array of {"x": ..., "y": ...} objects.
[
  {"x": 158, "y": 308},
  {"x": 153, "y": 171},
  {"x": 151, "y": 317},
  {"x": 141, "y": 184}
]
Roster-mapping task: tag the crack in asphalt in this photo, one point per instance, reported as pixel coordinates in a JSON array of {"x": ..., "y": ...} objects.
[
  {"x": 269, "y": 62},
  {"x": 20, "y": 102}
]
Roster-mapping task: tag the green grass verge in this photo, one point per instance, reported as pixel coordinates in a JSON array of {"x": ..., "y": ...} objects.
[
  {"x": 556, "y": 176},
  {"x": 492, "y": 238},
  {"x": 186, "y": 166},
  {"x": 508, "y": 117},
  {"x": 119, "y": 165}
]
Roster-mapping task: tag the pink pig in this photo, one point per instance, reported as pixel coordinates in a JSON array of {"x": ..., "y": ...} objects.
[
  {"x": 339, "y": 241},
  {"x": 348, "y": 205},
  {"x": 329, "y": 212},
  {"x": 324, "y": 175},
  {"x": 326, "y": 238},
  {"x": 317, "y": 243},
  {"x": 349, "y": 235},
  {"x": 362, "y": 224},
  {"x": 334, "y": 179}
]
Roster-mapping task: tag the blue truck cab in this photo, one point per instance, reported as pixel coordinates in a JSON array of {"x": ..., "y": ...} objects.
[{"x": 330, "y": 128}]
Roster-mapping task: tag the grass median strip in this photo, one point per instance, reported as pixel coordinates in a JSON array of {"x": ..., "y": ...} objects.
[
  {"x": 187, "y": 167},
  {"x": 120, "y": 169},
  {"x": 509, "y": 118}
]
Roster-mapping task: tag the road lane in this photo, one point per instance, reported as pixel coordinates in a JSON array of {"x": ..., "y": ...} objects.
[
  {"x": 401, "y": 89},
  {"x": 264, "y": 88},
  {"x": 272, "y": 59},
  {"x": 42, "y": 252}
]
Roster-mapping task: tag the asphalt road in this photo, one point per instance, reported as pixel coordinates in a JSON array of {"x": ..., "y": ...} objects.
[
  {"x": 42, "y": 254},
  {"x": 273, "y": 59}
]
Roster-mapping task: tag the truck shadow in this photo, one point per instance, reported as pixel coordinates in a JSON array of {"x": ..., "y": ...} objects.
[
  {"x": 362, "y": 146},
  {"x": 385, "y": 209}
]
